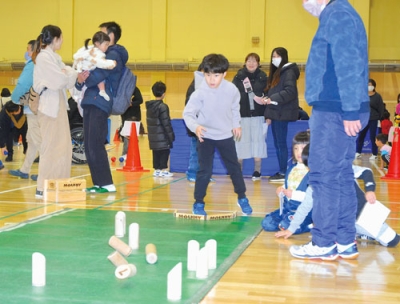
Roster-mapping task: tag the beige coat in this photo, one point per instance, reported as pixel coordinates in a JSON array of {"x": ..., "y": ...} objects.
[{"x": 51, "y": 73}]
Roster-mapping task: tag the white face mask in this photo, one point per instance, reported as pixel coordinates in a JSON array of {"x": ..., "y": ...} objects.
[
  {"x": 276, "y": 61},
  {"x": 314, "y": 7},
  {"x": 371, "y": 88}
]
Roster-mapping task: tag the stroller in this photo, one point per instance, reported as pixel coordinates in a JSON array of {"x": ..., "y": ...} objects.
[{"x": 76, "y": 128}]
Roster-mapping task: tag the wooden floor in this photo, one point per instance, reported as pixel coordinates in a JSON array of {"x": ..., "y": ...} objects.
[{"x": 265, "y": 273}]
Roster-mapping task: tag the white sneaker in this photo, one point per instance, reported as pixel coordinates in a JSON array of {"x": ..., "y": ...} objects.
[
  {"x": 157, "y": 173},
  {"x": 166, "y": 174},
  {"x": 311, "y": 251},
  {"x": 358, "y": 155},
  {"x": 373, "y": 157}
]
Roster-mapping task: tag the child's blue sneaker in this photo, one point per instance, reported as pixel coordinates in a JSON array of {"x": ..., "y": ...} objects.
[
  {"x": 244, "y": 204},
  {"x": 198, "y": 208}
]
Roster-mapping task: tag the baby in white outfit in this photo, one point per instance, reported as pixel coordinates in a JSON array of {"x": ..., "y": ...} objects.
[{"x": 87, "y": 58}]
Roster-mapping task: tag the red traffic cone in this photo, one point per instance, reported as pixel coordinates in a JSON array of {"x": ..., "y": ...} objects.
[
  {"x": 116, "y": 136},
  {"x": 394, "y": 164},
  {"x": 133, "y": 163}
]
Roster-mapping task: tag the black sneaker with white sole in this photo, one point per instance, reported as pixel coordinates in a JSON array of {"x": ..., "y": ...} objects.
[
  {"x": 256, "y": 176},
  {"x": 277, "y": 178}
]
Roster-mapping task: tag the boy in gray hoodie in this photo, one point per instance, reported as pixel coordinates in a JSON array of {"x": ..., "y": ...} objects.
[{"x": 213, "y": 114}]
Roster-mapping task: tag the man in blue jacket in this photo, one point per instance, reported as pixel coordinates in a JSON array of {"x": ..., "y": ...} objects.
[
  {"x": 33, "y": 136},
  {"x": 96, "y": 111},
  {"x": 336, "y": 88}
]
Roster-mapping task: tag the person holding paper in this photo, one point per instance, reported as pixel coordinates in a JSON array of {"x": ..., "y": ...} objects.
[{"x": 386, "y": 236}]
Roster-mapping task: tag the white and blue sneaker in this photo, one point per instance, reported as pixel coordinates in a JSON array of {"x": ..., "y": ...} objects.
[
  {"x": 311, "y": 251},
  {"x": 165, "y": 173},
  {"x": 348, "y": 252}
]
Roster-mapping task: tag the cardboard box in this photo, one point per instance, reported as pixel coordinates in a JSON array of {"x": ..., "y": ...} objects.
[{"x": 64, "y": 190}]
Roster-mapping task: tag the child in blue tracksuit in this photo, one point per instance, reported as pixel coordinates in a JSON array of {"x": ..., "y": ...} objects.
[
  {"x": 292, "y": 192},
  {"x": 386, "y": 236}
]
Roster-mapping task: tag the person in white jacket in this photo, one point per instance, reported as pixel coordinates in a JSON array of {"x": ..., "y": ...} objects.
[{"x": 51, "y": 78}]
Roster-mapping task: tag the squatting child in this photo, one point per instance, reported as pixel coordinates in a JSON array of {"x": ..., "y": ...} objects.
[
  {"x": 213, "y": 114},
  {"x": 160, "y": 132},
  {"x": 293, "y": 191},
  {"x": 384, "y": 148},
  {"x": 11, "y": 117},
  {"x": 386, "y": 236}
]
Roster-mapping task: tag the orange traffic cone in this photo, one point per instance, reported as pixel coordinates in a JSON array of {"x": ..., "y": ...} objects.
[
  {"x": 116, "y": 136},
  {"x": 133, "y": 163},
  {"x": 394, "y": 164}
]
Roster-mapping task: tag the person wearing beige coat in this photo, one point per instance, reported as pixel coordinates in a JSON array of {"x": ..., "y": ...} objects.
[{"x": 51, "y": 78}]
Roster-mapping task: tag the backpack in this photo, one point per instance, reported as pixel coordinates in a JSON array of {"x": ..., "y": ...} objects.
[{"x": 126, "y": 86}]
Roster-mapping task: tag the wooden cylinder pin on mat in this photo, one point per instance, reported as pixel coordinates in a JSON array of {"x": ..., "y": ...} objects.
[
  {"x": 125, "y": 271},
  {"x": 151, "y": 254},
  {"x": 117, "y": 259},
  {"x": 120, "y": 246}
]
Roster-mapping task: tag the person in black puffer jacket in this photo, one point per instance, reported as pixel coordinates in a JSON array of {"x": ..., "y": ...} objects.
[
  {"x": 282, "y": 104},
  {"x": 160, "y": 132}
]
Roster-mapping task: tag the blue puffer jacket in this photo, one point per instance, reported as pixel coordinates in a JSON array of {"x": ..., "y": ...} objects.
[
  {"x": 120, "y": 55},
  {"x": 337, "y": 66}
]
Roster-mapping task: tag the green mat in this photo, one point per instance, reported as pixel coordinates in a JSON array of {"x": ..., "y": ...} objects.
[{"x": 75, "y": 245}]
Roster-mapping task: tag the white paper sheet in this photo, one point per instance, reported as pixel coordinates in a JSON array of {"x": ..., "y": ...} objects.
[{"x": 372, "y": 217}]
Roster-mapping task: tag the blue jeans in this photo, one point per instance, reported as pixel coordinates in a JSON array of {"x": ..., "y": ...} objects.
[
  {"x": 193, "y": 159},
  {"x": 274, "y": 221},
  {"x": 279, "y": 131},
  {"x": 332, "y": 179}
]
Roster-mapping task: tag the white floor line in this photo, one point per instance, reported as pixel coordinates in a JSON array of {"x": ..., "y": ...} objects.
[{"x": 377, "y": 168}]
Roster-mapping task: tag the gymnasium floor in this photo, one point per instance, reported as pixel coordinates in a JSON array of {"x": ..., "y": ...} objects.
[{"x": 264, "y": 273}]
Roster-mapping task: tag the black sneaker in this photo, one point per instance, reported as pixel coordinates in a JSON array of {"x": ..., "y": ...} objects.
[
  {"x": 9, "y": 158},
  {"x": 256, "y": 176},
  {"x": 277, "y": 178}
]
